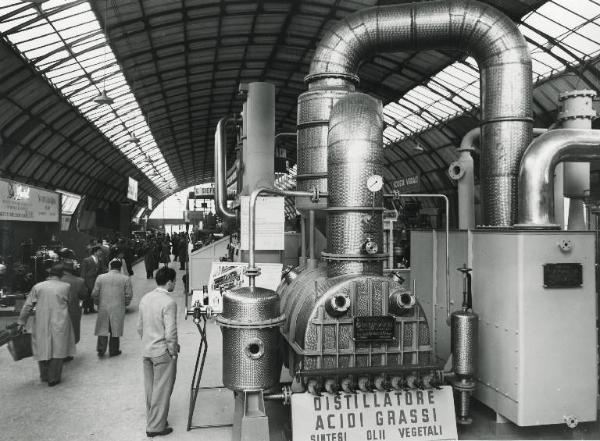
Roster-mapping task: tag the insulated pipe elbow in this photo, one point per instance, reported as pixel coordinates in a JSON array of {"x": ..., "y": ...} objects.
[
  {"x": 484, "y": 32},
  {"x": 536, "y": 174},
  {"x": 221, "y": 170}
]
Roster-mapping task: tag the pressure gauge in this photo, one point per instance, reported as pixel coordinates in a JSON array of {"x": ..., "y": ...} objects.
[{"x": 374, "y": 183}]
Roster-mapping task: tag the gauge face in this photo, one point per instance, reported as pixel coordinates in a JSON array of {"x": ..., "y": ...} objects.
[{"x": 374, "y": 183}]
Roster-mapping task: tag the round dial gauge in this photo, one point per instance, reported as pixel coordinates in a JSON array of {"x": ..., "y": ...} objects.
[{"x": 374, "y": 183}]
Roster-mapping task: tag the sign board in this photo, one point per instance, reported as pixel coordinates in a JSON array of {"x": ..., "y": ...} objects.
[
  {"x": 65, "y": 221},
  {"x": 270, "y": 223},
  {"x": 20, "y": 202},
  {"x": 204, "y": 191},
  {"x": 149, "y": 202},
  {"x": 230, "y": 275},
  {"x": 407, "y": 184},
  {"x": 391, "y": 416},
  {"x": 132, "y": 189}
]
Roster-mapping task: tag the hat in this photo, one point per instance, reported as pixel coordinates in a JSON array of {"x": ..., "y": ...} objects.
[
  {"x": 68, "y": 265},
  {"x": 56, "y": 270}
]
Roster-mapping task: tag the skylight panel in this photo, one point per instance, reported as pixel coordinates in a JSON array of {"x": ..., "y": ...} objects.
[{"x": 68, "y": 55}]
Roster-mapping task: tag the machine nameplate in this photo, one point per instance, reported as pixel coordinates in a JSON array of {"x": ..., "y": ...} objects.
[
  {"x": 390, "y": 416},
  {"x": 374, "y": 328},
  {"x": 563, "y": 275}
]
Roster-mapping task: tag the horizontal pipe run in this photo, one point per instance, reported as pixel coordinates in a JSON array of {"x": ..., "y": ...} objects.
[{"x": 357, "y": 370}]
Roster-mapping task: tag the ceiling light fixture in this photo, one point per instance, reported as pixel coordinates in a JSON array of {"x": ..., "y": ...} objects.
[
  {"x": 134, "y": 139},
  {"x": 103, "y": 98}
]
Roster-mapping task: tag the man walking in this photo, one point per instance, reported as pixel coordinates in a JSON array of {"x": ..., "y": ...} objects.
[
  {"x": 76, "y": 294},
  {"x": 91, "y": 267},
  {"x": 157, "y": 326},
  {"x": 112, "y": 291},
  {"x": 52, "y": 338}
]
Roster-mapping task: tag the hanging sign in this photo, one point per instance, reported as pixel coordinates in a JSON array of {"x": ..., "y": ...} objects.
[
  {"x": 390, "y": 416},
  {"x": 149, "y": 202},
  {"x": 407, "y": 184},
  {"x": 132, "y": 189},
  {"x": 20, "y": 202}
]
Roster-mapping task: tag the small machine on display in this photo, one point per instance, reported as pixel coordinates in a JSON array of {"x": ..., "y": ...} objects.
[{"x": 362, "y": 353}]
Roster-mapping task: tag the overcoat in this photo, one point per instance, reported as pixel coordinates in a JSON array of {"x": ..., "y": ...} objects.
[
  {"x": 112, "y": 291},
  {"x": 150, "y": 258},
  {"x": 52, "y": 331},
  {"x": 77, "y": 292},
  {"x": 89, "y": 271}
]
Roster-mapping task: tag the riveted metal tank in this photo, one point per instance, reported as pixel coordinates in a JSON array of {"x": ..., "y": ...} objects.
[{"x": 250, "y": 325}]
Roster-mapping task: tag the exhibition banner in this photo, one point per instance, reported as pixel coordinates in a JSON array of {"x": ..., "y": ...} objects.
[
  {"x": 391, "y": 416},
  {"x": 21, "y": 202}
]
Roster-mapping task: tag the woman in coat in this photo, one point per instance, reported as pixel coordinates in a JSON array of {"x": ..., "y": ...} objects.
[{"x": 52, "y": 337}]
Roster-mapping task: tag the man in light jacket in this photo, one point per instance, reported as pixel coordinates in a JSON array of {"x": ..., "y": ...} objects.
[
  {"x": 157, "y": 326},
  {"x": 112, "y": 292},
  {"x": 52, "y": 338}
]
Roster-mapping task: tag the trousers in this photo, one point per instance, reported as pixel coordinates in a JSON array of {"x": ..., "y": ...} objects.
[
  {"x": 51, "y": 370},
  {"x": 159, "y": 379}
]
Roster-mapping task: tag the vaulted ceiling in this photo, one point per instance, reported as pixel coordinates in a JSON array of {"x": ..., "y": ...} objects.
[{"x": 174, "y": 68}]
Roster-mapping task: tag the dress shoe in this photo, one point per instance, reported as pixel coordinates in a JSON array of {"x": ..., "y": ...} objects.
[
  {"x": 100, "y": 353},
  {"x": 67, "y": 359},
  {"x": 93, "y": 311},
  {"x": 53, "y": 383},
  {"x": 161, "y": 433},
  {"x": 114, "y": 354}
]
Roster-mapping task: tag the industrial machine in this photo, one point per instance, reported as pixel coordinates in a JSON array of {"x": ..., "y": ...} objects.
[{"x": 340, "y": 326}]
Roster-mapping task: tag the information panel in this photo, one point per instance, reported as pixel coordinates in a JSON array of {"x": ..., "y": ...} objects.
[
  {"x": 390, "y": 416},
  {"x": 270, "y": 223},
  {"x": 230, "y": 275},
  {"x": 20, "y": 202}
]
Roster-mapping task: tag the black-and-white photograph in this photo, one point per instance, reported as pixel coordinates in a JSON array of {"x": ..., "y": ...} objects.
[{"x": 299, "y": 220}]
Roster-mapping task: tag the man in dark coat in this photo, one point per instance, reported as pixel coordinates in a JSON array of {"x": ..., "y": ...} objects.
[
  {"x": 150, "y": 258},
  {"x": 91, "y": 267},
  {"x": 112, "y": 291},
  {"x": 76, "y": 293}
]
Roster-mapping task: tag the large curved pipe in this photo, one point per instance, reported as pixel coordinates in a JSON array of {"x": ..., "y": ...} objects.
[
  {"x": 536, "y": 176},
  {"x": 221, "y": 170},
  {"x": 482, "y": 31}
]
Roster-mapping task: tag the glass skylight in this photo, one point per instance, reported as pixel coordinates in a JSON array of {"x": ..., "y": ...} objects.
[
  {"x": 65, "y": 42},
  {"x": 558, "y": 32}
]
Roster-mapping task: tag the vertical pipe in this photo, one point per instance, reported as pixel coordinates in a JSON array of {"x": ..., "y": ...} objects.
[
  {"x": 312, "y": 262},
  {"x": 258, "y": 159},
  {"x": 303, "y": 240},
  {"x": 391, "y": 247}
]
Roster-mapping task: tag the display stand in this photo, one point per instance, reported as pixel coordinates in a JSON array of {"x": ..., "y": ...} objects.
[{"x": 200, "y": 321}]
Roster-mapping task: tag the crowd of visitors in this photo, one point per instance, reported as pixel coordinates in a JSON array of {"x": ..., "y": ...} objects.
[{"x": 104, "y": 287}]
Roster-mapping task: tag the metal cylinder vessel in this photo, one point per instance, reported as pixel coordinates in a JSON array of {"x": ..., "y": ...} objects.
[
  {"x": 250, "y": 326},
  {"x": 463, "y": 326}
]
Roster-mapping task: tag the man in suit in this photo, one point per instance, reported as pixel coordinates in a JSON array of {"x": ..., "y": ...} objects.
[
  {"x": 157, "y": 326},
  {"x": 77, "y": 293},
  {"x": 90, "y": 269},
  {"x": 112, "y": 292}
]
